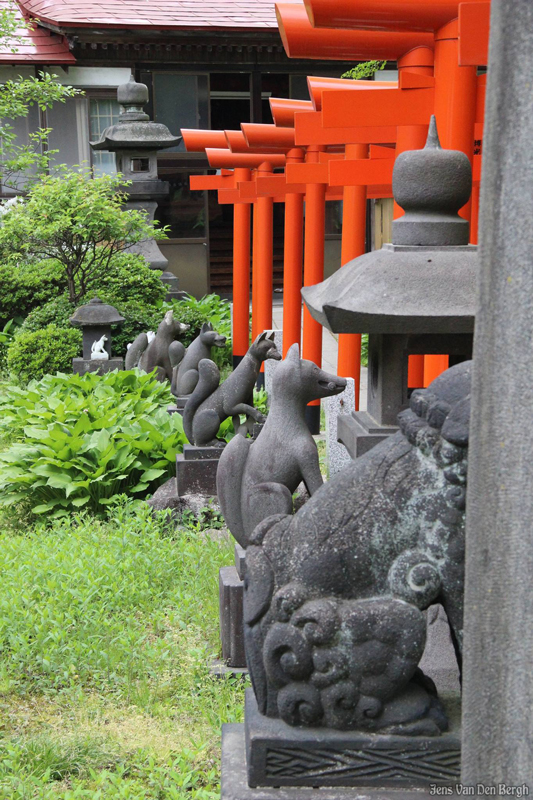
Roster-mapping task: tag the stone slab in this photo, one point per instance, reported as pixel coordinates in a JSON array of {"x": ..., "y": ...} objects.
[
  {"x": 220, "y": 670},
  {"x": 439, "y": 661},
  {"x": 193, "y": 453},
  {"x": 178, "y": 406},
  {"x": 196, "y": 473},
  {"x": 359, "y": 433},
  {"x": 341, "y": 404},
  {"x": 240, "y": 559},
  {"x": 231, "y": 595},
  {"x": 280, "y": 755},
  {"x": 101, "y": 365},
  {"x": 234, "y": 783}
]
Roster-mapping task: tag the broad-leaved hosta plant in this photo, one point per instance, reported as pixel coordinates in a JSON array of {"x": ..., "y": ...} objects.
[{"x": 80, "y": 441}]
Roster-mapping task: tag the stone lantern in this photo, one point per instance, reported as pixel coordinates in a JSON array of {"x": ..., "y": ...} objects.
[
  {"x": 95, "y": 320},
  {"x": 136, "y": 140},
  {"x": 414, "y": 296}
]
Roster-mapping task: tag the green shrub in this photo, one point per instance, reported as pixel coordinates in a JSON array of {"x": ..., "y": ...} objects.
[
  {"x": 33, "y": 354},
  {"x": 7, "y": 335},
  {"x": 128, "y": 279},
  {"x": 25, "y": 285},
  {"x": 56, "y": 312},
  {"x": 139, "y": 318},
  {"x": 210, "y": 308},
  {"x": 79, "y": 220},
  {"x": 80, "y": 441}
]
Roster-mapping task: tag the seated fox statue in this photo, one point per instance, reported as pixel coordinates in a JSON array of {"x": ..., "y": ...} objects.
[
  {"x": 185, "y": 375},
  {"x": 212, "y": 402},
  {"x": 334, "y": 595},
  {"x": 257, "y": 478},
  {"x": 161, "y": 352}
]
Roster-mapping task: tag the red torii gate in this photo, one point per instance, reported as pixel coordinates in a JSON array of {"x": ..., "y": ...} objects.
[{"x": 451, "y": 91}]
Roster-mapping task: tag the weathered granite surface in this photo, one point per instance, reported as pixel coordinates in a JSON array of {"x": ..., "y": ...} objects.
[
  {"x": 498, "y": 675},
  {"x": 258, "y": 478},
  {"x": 185, "y": 375},
  {"x": 270, "y": 366},
  {"x": 162, "y": 352},
  {"x": 335, "y": 595},
  {"x": 212, "y": 402},
  {"x": 338, "y": 406}
]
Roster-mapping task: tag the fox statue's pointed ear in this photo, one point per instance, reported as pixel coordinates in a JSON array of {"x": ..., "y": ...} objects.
[
  {"x": 204, "y": 328},
  {"x": 293, "y": 353},
  {"x": 262, "y": 336},
  {"x": 210, "y": 326},
  {"x": 169, "y": 317},
  {"x": 272, "y": 336}
]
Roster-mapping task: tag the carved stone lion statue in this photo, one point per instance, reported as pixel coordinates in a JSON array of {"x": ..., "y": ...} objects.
[{"x": 334, "y": 595}]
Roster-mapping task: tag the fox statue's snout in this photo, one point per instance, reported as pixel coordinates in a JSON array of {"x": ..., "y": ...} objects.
[
  {"x": 330, "y": 384},
  {"x": 275, "y": 354}
]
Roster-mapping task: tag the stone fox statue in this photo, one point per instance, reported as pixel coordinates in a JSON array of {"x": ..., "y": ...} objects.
[
  {"x": 185, "y": 376},
  {"x": 212, "y": 402},
  {"x": 163, "y": 351},
  {"x": 257, "y": 478},
  {"x": 334, "y": 595}
]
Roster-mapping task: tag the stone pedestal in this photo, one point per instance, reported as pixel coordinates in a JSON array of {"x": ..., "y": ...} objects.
[
  {"x": 231, "y": 592},
  {"x": 280, "y": 755},
  {"x": 101, "y": 365},
  {"x": 341, "y": 405},
  {"x": 265, "y": 759},
  {"x": 234, "y": 783},
  {"x": 388, "y": 394},
  {"x": 178, "y": 406},
  {"x": 196, "y": 470}
]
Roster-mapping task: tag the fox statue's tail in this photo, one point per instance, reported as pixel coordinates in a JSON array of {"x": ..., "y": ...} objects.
[
  {"x": 230, "y": 474},
  {"x": 208, "y": 383},
  {"x": 135, "y": 351}
]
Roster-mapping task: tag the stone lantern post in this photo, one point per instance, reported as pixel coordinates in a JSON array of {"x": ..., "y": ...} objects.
[
  {"x": 414, "y": 296},
  {"x": 136, "y": 140},
  {"x": 95, "y": 320}
]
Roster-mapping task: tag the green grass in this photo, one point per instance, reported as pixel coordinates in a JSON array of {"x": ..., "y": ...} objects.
[{"x": 107, "y": 630}]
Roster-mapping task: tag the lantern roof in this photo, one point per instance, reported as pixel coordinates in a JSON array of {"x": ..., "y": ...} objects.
[
  {"x": 425, "y": 280},
  {"x": 134, "y": 129},
  {"x": 95, "y": 313}
]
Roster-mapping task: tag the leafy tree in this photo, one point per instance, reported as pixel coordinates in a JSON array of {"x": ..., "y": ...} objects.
[
  {"x": 366, "y": 69},
  {"x": 16, "y": 97},
  {"x": 77, "y": 220}
]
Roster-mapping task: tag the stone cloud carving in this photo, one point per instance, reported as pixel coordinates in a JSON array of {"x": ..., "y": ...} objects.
[
  {"x": 212, "y": 402},
  {"x": 257, "y": 478},
  {"x": 162, "y": 351},
  {"x": 185, "y": 375},
  {"x": 334, "y": 595}
]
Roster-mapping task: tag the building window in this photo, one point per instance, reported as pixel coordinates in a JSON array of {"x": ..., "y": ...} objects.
[
  {"x": 103, "y": 112},
  {"x": 183, "y": 210},
  {"x": 180, "y": 100}
]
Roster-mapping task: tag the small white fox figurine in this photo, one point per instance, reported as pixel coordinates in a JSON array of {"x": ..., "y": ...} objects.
[{"x": 98, "y": 350}]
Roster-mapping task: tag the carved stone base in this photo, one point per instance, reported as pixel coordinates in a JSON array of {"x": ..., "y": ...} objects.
[
  {"x": 220, "y": 670},
  {"x": 196, "y": 470},
  {"x": 101, "y": 365},
  {"x": 178, "y": 406},
  {"x": 234, "y": 783},
  {"x": 231, "y": 593},
  {"x": 279, "y": 755},
  {"x": 359, "y": 432}
]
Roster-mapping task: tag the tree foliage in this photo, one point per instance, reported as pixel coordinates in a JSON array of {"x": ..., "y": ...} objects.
[
  {"x": 16, "y": 98},
  {"x": 366, "y": 69},
  {"x": 77, "y": 220}
]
